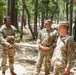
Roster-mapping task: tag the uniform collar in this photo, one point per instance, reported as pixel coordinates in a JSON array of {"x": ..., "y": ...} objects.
[
  {"x": 6, "y": 27},
  {"x": 48, "y": 30},
  {"x": 63, "y": 37}
]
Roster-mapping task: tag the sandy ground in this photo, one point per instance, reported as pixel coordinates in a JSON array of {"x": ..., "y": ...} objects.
[{"x": 25, "y": 59}]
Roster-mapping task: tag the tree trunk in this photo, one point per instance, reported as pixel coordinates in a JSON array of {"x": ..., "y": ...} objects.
[
  {"x": 47, "y": 3},
  {"x": 42, "y": 21},
  {"x": 43, "y": 15},
  {"x": 67, "y": 10},
  {"x": 12, "y": 12},
  {"x": 35, "y": 19},
  {"x": 71, "y": 17},
  {"x": 8, "y": 9},
  {"x": 16, "y": 16},
  {"x": 28, "y": 18},
  {"x": 21, "y": 35}
]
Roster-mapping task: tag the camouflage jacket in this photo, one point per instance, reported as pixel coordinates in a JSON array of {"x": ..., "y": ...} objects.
[
  {"x": 3, "y": 41},
  {"x": 47, "y": 38},
  {"x": 64, "y": 51},
  {"x": 8, "y": 32}
]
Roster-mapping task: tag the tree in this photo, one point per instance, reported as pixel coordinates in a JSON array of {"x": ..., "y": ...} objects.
[
  {"x": 16, "y": 15},
  {"x": 67, "y": 1},
  {"x": 54, "y": 10},
  {"x": 2, "y": 11},
  {"x": 28, "y": 19},
  {"x": 47, "y": 9},
  {"x": 12, "y": 11},
  {"x": 71, "y": 17},
  {"x": 8, "y": 9},
  {"x": 43, "y": 14},
  {"x": 22, "y": 21},
  {"x": 38, "y": 10},
  {"x": 35, "y": 19}
]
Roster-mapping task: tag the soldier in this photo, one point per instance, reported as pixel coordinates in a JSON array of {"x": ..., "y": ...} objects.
[
  {"x": 8, "y": 34},
  {"x": 64, "y": 52},
  {"x": 46, "y": 43}
]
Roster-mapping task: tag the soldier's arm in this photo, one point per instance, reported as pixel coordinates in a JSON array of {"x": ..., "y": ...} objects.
[
  {"x": 3, "y": 41},
  {"x": 55, "y": 39},
  {"x": 53, "y": 45},
  {"x": 70, "y": 55},
  {"x": 71, "y": 51},
  {"x": 39, "y": 39}
]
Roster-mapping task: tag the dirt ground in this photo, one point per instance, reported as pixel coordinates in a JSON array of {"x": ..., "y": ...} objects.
[{"x": 26, "y": 57}]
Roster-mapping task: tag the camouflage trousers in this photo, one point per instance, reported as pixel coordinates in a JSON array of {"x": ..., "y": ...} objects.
[
  {"x": 7, "y": 53},
  {"x": 41, "y": 55}
]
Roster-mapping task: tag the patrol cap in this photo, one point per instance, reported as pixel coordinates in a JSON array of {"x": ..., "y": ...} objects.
[
  {"x": 63, "y": 23},
  {"x": 48, "y": 22},
  {"x": 7, "y": 17}
]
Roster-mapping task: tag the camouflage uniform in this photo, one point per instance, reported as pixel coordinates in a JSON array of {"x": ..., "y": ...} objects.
[
  {"x": 63, "y": 54},
  {"x": 45, "y": 38},
  {"x": 2, "y": 40},
  {"x": 6, "y": 52}
]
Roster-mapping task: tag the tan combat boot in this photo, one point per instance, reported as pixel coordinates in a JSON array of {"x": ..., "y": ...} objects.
[
  {"x": 3, "y": 73},
  {"x": 12, "y": 72}
]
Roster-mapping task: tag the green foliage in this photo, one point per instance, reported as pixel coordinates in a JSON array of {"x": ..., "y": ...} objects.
[
  {"x": 30, "y": 6},
  {"x": 74, "y": 7},
  {"x": 2, "y": 11},
  {"x": 41, "y": 7},
  {"x": 52, "y": 4},
  {"x": 52, "y": 7}
]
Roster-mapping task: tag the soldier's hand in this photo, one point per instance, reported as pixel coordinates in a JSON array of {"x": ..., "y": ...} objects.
[
  {"x": 52, "y": 62},
  {"x": 9, "y": 37},
  {"x": 10, "y": 46},
  {"x": 45, "y": 48},
  {"x": 67, "y": 70}
]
